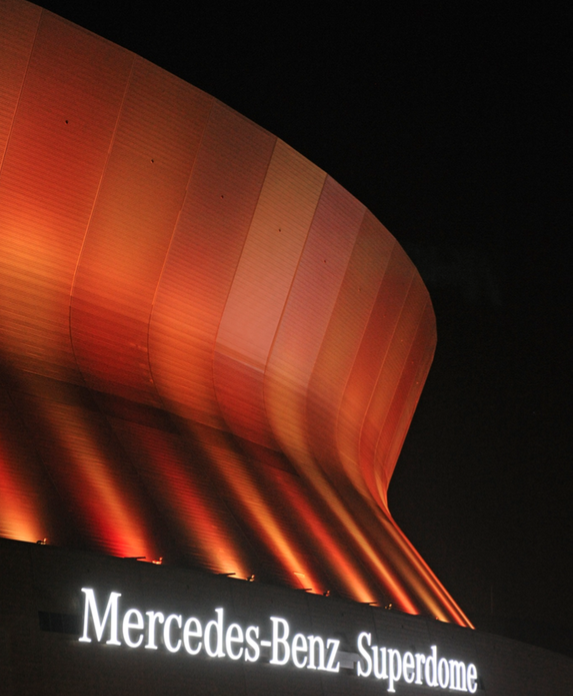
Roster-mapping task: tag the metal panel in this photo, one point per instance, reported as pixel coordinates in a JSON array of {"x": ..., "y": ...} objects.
[
  {"x": 307, "y": 312},
  {"x": 348, "y": 323},
  {"x": 157, "y": 136},
  {"x": 261, "y": 285},
  {"x": 20, "y": 26},
  {"x": 222, "y": 195},
  {"x": 372, "y": 352},
  {"x": 51, "y": 173}
]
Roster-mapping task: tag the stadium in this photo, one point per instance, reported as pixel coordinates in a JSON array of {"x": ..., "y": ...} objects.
[{"x": 210, "y": 354}]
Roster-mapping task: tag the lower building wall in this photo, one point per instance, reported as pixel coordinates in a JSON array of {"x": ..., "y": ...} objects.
[{"x": 51, "y": 601}]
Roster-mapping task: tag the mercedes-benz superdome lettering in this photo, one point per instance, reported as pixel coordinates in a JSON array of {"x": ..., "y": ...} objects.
[{"x": 275, "y": 643}]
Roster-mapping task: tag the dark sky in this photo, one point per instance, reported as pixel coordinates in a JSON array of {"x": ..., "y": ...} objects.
[{"x": 454, "y": 127}]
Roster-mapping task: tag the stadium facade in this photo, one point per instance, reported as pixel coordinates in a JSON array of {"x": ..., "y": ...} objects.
[{"x": 210, "y": 354}]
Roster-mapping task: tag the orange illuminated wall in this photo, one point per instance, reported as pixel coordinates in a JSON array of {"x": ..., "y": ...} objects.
[{"x": 209, "y": 350}]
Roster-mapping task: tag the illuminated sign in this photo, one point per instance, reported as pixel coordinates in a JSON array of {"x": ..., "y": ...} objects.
[{"x": 216, "y": 638}]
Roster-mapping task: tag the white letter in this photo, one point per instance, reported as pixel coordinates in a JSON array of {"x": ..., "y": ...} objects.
[
  {"x": 431, "y": 668},
  {"x": 457, "y": 676},
  {"x": 230, "y": 639},
  {"x": 408, "y": 667},
  {"x": 153, "y": 617},
  {"x": 91, "y": 607},
  {"x": 361, "y": 671},
  {"x": 299, "y": 644},
  {"x": 217, "y": 624},
  {"x": 252, "y": 644},
  {"x": 380, "y": 672},
  {"x": 196, "y": 633},
  {"x": 332, "y": 655},
  {"x": 420, "y": 659},
  {"x": 472, "y": 678},
  {"x": 312, "y": 641},
  {"x": 280, "y": 639},
  {"x": 443, "y": 673},
  {"x": 127, "y": 626},
  {"x": 395, "y": 668},
  {"x": 167, "y": 635}
]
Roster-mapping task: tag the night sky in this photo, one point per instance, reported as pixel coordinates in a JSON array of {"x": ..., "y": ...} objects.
[{"x": 454, "y": 128}]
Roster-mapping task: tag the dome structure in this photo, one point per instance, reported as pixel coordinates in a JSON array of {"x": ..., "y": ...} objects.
[{"x": 210, "y": 352}]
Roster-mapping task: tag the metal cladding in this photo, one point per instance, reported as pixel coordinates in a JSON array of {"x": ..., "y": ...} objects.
[{"x": 209, "y": 350}]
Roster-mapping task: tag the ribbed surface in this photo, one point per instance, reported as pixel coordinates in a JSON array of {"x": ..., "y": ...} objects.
[
  {"x": 209, "y": 350},
  {"x": 208, "y": 240}
]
